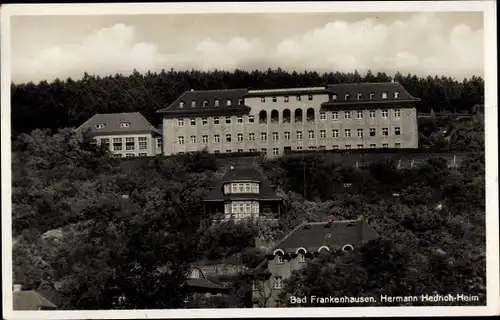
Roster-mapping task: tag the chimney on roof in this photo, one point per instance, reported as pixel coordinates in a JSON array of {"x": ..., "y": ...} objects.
[{"x": 18, "y": 287}]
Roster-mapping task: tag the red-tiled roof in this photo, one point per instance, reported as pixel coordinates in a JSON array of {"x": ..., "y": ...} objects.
[{"x": 31, "y": 300}]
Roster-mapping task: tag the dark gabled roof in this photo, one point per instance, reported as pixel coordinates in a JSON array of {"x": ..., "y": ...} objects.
[
  {"x": 138, "y": 124},
  {"x": 266, "y": 192},
  {"x": 334, "y": 235},
  {"x": 30, "y": 300},
  {"x": 210, "y": 96},
  {"x": 202, "y": 282},
  {"x": 340, "y": 90}
]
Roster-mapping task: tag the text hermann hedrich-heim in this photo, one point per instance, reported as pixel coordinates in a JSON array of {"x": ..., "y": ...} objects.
[{"x": 385, "y": 299}]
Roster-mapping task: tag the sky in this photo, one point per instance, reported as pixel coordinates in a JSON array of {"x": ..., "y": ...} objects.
[{"x": 430, "y": 43}]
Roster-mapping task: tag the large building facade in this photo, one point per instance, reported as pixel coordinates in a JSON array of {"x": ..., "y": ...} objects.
[
  {"x": 341, "y": 116},
  {"x": 124, "y": 134}
]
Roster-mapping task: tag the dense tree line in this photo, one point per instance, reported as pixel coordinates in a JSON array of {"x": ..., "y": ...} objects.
[{"x": 68, "y": 103}]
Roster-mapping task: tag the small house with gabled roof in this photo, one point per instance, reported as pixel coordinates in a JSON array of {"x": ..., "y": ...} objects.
[
  {"x": 124, "y": 134},
  {"x": 243, "y": 194},
  {"x": 301, "y": 245}
]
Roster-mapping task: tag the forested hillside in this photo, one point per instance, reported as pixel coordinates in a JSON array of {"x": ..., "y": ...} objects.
[
  {"x": 89, "y": 228},
  {"x": 68, "y": 103}
]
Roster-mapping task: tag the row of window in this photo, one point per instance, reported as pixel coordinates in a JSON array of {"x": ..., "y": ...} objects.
[
  {"x": 310, "y": 97},
  {"x": 242, "y": 207},
  {"x": 241, "y": 188},
  {"x": 129, "y": 155},
  {"x": 287, "y": 135},
  {"x": 276, "y": 151},
  {"x": 298, "y": 118},
  {"x": 122, "y": 125},
  {"x": 130, "y": 143}
]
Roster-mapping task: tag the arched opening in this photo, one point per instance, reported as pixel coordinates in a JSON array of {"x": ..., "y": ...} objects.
[
  {"x": 286, "y": 116},
  {"x": 301, "y": 254},
  {"x": 310, "y": 115},
  {"x": 323, "y": 248},
  {"x": 263, "y": 117},
  {"x": 347, "y": 247},
  {"x": 275, "y": 116},
  {"x": 298, "y": 115}
]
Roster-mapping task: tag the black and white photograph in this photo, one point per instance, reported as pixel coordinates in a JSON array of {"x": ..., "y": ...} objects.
[{"x": 229, "y": 160}]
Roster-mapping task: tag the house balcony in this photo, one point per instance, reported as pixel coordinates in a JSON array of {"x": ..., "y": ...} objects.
[{"x": 246, "y": 217}]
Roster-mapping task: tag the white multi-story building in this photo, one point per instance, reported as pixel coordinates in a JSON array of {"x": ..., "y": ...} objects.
[
  {"x": 124, "y": 134},
  {"x": 340, "y": 116}
]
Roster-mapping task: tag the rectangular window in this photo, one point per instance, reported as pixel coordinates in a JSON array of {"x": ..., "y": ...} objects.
[
  {"x": 143, "y": 154},
  {"x": 299, "y": 135},
  {"x": 299, "y": 148},
  {"x": 125, "y": 124},
  {"x": 248, "y": 207},
  {"x": 373, "y": 132},
  {"x": 129, "y": 155},
  {"x": 276, "y": 151},
  {"x": 360, "y": 133},
  {"x": 322, "y": 116},
  {"x": 216, "y": 120},
  {"x": 348, "y": 147},
  {"x": 180, "y": 140},
  {"x": 193, "y": 121},
  {"x": 373, "y": 145},
  {"x": 228, "y": 120},
  {"x": 143, "y": 143},
  {"x": 240, "y": 137},
  {"x": 193, "y": 139},
  {"x": 286, "y": 99},
  {"x": 347, "y": 133},
  {"x": 263, "y": 150},
  {"x": 372, "y": 114},
  {"x": 252, "y": 150},
  {"x": 347, "y": 114},
  {"x": 311, "y": 134},
  {"x": 397, "y": 131},
  {"x": 335, "y": 133},
  {"x": 385, "y": 131},
  {"x": 287, "y": 135},
  {"x": 279, "y": 260},
  {"x": 397, "y": 113},
  {"x": 263, "y": 99},
  {"x": 255, "y": 205},
  {"x": 275, "y": 136},
  {"x": 384, "y": 113},
  {"x": 251, "y": 119},
  {"x": 228, "y": 151},
  {"x": 359, "y": 114},
  {"x": 275, "y": 100},
  {"x": 310, "y": 97},
  {"x": 335, "y": 147},
  {"x": 385, "y": 145},
  {"x": 159, "y": 142},
  {"x": 239, "y": 119},
  {"x": 117, "y": 144},
  {"x": 302, "y": 258},
  {"x": 322, "y": 134},
  {"x": 204, "y": 139},
  {"x": 204, "y": 121},
  {"x": 312, "y": 148},
  {"x": 251, "y": 136},
  {"x": 248, "y": 188},
  {"x": 335, "y": 115},
  {"x": 228, "y": 138},
  {"x": 263, "y": 136},
  {"x": 180, "y": 122},
  {"x": 360, "y": 146},
  {"x": 129, "y": 143},
  {"x": 241, "y": 189},
  {"x": 216, "y": 138},
  {"x": 298, "y": 97}
]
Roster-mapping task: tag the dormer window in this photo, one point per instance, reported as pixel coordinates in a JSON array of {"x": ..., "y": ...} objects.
[
  {"x": 372, "y": 95},
  {"x": 125, "y": 124},
  {"x": 240, "y": 101},
  {"x": 396, "y": 95},
  {"x": 100, "y": 125},
  {"x": 241, "y": 187},
  {"x": 334, "y": 96},
  {"x": 286, "y": 99},
  {"x": 216, "y": 102},
  {"x": 195, "y": 274},
  {"x": 279, "y": 259},
  {"x": 193, "y": 104},
  {"x": 384, "y": 95},
  {"x": 347, "y": 247},
  {"x": 347, "y": 96},
  {"x": 205, "y": 104},
  {"x": 181, "y": 104},
  {"x": 275, "y": 99},
  {"x": 229, "y": 102},
  {"x": 360, "y": 96}
]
